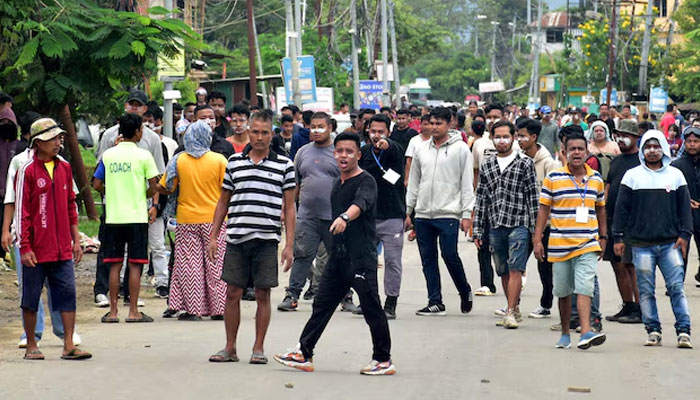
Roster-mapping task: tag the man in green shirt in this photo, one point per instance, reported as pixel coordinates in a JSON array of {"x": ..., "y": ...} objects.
[{"x": 127, "y": 176}]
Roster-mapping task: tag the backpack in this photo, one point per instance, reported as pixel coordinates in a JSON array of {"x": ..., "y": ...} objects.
[{"x": 604, "y": 160}]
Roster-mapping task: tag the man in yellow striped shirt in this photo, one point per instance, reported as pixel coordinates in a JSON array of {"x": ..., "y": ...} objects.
[{"x": 574, "y": 196}]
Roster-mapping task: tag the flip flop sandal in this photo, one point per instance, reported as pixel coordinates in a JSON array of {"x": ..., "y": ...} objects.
[
  {"x": 258, "y": 358},
  {"x": 144, "y": 318},
  {"x": 76, "y": 354},
  {"x": 106, "y": 319},
  {"x": 34, "y": 355},
  {"x": 223, "y": 356}
]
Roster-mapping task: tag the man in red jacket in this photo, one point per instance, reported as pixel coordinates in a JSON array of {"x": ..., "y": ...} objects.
[{"x": 47, "y": 222}]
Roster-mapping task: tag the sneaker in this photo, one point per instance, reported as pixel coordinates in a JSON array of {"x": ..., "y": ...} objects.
[
  {"x": 379, "y": 368},
  {"x": 620, "y": 313},
  {"x": 591, "y": 338},
  {"x": 467, "y": 302},
  {"x": 654, "y": 339},
  {"x": 162, "y": 292},
  {"x": 309, "y": 294},
  {"x": 76, "y": 339},
  {"x": 509, "y": 321},
  {"x": 483, "y": 291},
  {"x": 169, "y": 313},
  {"x": 101, "y": 301},
  {"x": 390, "y": 307},
  {"x": 288, "y": 304},
  {"x": 634, "y": 316},
  {"x": 540, "y": 312},
  {"x": 523, "y": 282},
  {"x": 295, "y": 358},
  {"x": 432, "y": 310},
  {"x": 357, "y": 310},
  {"x": 347, "y": 305},
  {"x": 518, "y": 315},
  {"x": 597, "y": 325},
  {"x": 248, "y": 294},
  {"x": 564, "y": 342},
  {"x": 684, "y": 341},
  {"x": 555, "y": 327},
  {"x": 501, "y": 312},
  {"x": 22, "y": 343},
  {"x": 139, "y": 302}
]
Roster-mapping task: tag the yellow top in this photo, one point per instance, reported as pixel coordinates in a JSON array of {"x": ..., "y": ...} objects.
[
  {"x": 49, "y": 167},
  {"x": 200, "y": 181}
]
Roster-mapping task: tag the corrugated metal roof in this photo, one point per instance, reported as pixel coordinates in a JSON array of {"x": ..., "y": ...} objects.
[{"x": 553, "y": 20}]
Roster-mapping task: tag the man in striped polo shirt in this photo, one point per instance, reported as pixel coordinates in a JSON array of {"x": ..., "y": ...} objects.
[
  {"x": 574, "y": 196},
  {"x": 257, "y": 184}
]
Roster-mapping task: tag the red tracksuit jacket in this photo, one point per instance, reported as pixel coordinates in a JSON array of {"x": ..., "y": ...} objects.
[{"x": 46, "y": 210}]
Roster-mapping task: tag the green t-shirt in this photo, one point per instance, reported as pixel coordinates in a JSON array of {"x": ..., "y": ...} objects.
[{"x": 127, "y": 171}]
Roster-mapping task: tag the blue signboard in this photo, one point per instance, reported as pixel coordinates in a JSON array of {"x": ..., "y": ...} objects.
[
  {"x": 371, "y": 94},
  {"x": 658, "y": 100},
  {"x": 604, "y": 96},
  {"x": 307, "y": 78}
]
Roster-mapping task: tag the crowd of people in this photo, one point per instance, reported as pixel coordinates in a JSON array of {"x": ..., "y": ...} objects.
[{"x": 569, "y": 186}]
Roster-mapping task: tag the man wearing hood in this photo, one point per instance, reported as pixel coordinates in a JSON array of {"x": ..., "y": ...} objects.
[
  {"x": 653, "y": 215},
  {"x": 627, "y": 137},
  {"x": 689, "y": 164},
  {"x": 440, "y": 190},
  {"x": 529, "y": 139},
  {"x": 8, "y": 143}
]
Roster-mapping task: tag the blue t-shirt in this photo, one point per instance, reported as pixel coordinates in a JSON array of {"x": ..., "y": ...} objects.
[{"x": 100, "y": 171}]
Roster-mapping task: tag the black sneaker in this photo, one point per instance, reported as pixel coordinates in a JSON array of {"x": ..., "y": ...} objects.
[
  {"x": 467, "y": 302},
  {"x": 162, "y": 292},
  {"x": 357, "y": 310},
  {"x": 347, "y": 305},
  {"x": 248, "y": 294},
  {"x": 432, "y": 310},
  {"x": 169, "y": 313},
  {"x": 309, "y": 294},
  {"x": 390, "y": 307},
  {"x": 597, "y": 325},
  {"x": 615, "y": 317},
  {"x": 634, "y": 316},
  {"x": 288, "y": 304}
]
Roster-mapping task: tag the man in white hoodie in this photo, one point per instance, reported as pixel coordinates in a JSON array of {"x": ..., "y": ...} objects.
[
  {"x": 441, "y": 191},
  {"x": 528, "y": 137}
]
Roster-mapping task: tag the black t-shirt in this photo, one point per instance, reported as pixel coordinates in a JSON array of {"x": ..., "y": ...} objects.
[
  {"x": 618, "y": 167},
  {"x": 611, "y": 124},
  {"x": 279, "y": 144},
  {"x": 402, "y": 137},
  {"x": 393, "y": 203},
  {"x": 357, "y": 245}
]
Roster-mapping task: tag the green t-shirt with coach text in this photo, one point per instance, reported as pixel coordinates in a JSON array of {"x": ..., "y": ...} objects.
[{"x": 127, "y": 171}]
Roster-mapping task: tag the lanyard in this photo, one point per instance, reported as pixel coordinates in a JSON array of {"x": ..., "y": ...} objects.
[
  {"x": 377, "y": 159},
  {"x": 578, "y": 189}
]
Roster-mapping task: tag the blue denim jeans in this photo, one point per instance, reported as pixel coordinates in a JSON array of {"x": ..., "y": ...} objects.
[
  {"x": 428, "y": 231},
  {"x": 670, "y": 263},
  {"x": 56, "y": 321},
  {"x": 509, "y": 249}
]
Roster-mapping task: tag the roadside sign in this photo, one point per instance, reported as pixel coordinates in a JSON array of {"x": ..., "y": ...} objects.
[
  {"x": 172, "y": 68},
  {"x": 658, "y": 100},
  {"x": 324, "y": 103},
  {"x": 307, "y": 78},
  {"x": 371, "y": 94}
]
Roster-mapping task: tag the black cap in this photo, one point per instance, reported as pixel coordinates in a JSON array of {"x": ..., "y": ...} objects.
[{"x": 137, "y": 95}]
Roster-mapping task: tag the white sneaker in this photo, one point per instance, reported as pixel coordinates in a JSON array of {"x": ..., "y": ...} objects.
[
  {"x": 483, "y": 291},
  {"x": 76, "y": 339},
  {"x": 22, "y": 343},
  {"x": 140, "y": 303},
  {"x": 540, "y": 312},
  {"x": 501, "y": 312},
  {"x": 524, "y": 281},
  {"x": 101, "y": 301}
]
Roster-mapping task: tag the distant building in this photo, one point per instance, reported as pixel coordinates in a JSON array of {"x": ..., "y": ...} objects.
[
  {"x": 554, "y": 26},
  {"x": 662, "y": 17}
]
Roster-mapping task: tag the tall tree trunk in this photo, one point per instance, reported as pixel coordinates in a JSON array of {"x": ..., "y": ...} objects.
[
  {"x": 77, "y": 163},
  {"x": 330, "y": 30}
]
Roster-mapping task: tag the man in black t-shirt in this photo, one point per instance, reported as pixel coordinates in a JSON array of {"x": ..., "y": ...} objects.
[
  {"x": 626, "y": 137},
  {"x": 352, "y": 263},
  {"x": 402, "y": 134}
]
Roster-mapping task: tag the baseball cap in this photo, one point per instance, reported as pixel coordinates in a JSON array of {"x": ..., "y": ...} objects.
[
  {"x": 628, "y": 126},
  {"x": 137, "y": 95},
  {"x": 574, "y": 110},
  {"x": 44, "y": 129},
  {"x": 545, "y": 110}
]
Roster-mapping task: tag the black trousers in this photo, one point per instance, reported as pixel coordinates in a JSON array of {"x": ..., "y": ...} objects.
[
  {"x": 696, "y": 237},
  {"x": 545, "y": 270},
  {"x": 335, "y": 283},
  {"x": 484, "y": 256},
  {"x": 101, "y": 269}
]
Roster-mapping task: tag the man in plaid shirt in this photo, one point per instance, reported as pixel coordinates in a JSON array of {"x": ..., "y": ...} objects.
[{"x": 507, "y": 195}]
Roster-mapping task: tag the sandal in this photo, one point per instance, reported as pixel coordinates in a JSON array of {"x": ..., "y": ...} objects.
[
  {"x": 34, "y": 355},
  {"x": 76, "y": 354},
  {"x": 258, "y": 358},
  {"x": 106, "y": 319},
  {"x": 144, "y": 318},
  {"x": 223, "y": 356}
]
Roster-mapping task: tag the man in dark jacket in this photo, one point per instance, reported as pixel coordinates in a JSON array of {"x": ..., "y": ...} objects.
[
  {"x": 653, "y": 216},
  {"x": 689, "y": 164}
]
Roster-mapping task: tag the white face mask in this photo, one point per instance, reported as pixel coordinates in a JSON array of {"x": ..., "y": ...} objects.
[
  {"x": 150, "y": 125},
  {"x": 624, "y": 141},
  {"x": 211, "y": 122},
  {"x": 501, "y": 140},
  {"x": 318, "y": 130},
  {"x": 523, "y": 140}
]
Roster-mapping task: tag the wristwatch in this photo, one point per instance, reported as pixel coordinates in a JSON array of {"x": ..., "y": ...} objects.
[{"x": 345, "y": 217}]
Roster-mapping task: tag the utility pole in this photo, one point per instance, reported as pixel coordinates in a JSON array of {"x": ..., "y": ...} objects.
[
  {"x": 529, "y": 12},
  {"x": 646, "y": 43},
  {"x": 476, "y": 41},
  {"x": 611, "y": 54},
  {"x": 534, "y": 92},
  {"x": 293, "y": 36},
  {"x": 297, "y": 16},
  {"x": 493, "y": 50},
  {"x": 355, "y": 63},
  {"x": 385, "y": 57},
  {"x": 253, "y": 86},
  {"x": 512, "y": 64},
  {"x": 394, "y": 57},
  {"x": 168, "y": 103},
  {"x": 266, "y": 101}
]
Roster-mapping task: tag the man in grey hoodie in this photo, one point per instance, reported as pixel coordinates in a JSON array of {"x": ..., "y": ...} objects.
[
  {"x": 441, "y": 191},
  {"x": 653, "y": 215}
]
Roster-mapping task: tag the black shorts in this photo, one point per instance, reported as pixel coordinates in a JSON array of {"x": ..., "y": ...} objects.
[
  {"x": 609, "y": 253},
  {"x": 60, "y": 276},
  {"x": 257, "y": 257},
  {"x": 116, "y": 236}
]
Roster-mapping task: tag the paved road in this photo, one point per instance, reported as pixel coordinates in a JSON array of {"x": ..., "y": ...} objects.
[{"x": 452, "y": 357}]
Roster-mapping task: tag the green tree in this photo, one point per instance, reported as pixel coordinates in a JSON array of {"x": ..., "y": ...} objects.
[{"x": 684, "y": 63}]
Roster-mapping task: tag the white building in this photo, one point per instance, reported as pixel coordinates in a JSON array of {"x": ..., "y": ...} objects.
[{"x": 554, "y": 26}]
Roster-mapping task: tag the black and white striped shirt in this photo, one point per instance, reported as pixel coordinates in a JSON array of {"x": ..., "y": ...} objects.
[{"x": 255, "y": 207}]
